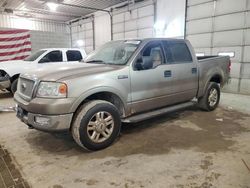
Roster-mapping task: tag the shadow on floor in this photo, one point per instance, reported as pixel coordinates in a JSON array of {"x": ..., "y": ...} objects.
[{"x": 187, "y": 129}]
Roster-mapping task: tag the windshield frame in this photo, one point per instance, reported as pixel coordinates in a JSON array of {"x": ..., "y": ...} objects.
[{"x": 135, "y": 42}]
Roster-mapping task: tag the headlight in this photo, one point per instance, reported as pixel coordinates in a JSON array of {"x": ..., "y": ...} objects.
[{"x": 52, "y": 90}]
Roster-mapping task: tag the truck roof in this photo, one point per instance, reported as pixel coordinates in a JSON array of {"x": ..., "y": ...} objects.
[
  {"x": 62, "y": 49},
  {"x": 153, "y": 39}
]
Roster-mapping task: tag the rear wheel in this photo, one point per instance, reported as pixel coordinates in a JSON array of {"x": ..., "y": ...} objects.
[
  {"x": 211, "y": 98},
  {"x": 96, "y": 125}
]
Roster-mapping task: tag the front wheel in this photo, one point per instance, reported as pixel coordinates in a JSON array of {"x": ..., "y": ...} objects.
[
  {"x": 96, "y": 125},
  {"x": 211, "y": 98}
]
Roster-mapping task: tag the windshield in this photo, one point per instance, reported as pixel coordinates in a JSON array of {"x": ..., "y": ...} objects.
[
  {"x": 115, "y": 52},
  {"x": 34, "y": 56}
]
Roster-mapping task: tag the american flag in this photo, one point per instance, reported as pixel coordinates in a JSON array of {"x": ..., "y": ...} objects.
[{"x": 14, "y": 44}]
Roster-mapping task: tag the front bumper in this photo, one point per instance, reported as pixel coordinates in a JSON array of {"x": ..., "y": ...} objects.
[
  {"x": 45, "y": 122},
  {"x": 5, "y": 84}
]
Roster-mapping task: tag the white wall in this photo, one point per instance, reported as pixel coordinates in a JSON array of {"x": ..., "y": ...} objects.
[
  {"x": 102, "y": 28},
  {"x": 42, "y": 39},
  {"x": 170, "y": 18}
]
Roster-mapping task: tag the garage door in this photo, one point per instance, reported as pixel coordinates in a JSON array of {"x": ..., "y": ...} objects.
[
  {"x": 82, "y": 34},
  {"x": 222, "y": 27},
  {"x": 137, "y": 22}
]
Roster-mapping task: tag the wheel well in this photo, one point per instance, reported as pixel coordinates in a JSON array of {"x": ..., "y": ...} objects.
[
  {"x": 216, "y": 79},
  {"x": 110, "y": 97},
  {"x": 14, "y": 77}
]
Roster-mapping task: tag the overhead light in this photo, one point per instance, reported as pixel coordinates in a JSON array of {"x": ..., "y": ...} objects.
[
  {"x": 52, "y": 6},
  {"x": 200, "y": 54},
  {"x": 230, "y": 54},
  {"x": 174, "y": 29},
  {"x": 80, "y": 43},
  {"x": 159, "y": 27}
]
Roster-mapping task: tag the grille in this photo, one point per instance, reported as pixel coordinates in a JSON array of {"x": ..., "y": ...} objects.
[{"x": 25, "y": 88}]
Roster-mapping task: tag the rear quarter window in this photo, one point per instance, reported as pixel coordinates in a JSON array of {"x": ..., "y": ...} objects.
[
  {"x": 178, "y": 52},
  {"x": 74, "y": 55}
]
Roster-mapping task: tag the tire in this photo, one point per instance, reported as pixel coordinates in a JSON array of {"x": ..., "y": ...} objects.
[
  {"x": 97, "y": 116},
  {"x": 211, "y": 98},
  {"x": 13, "y": 86}
]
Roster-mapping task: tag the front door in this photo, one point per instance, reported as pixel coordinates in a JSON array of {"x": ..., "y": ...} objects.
[{"x": 150, "y": 79}]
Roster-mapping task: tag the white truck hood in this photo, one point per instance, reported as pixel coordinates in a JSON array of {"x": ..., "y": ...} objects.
[{"x": 20, "y": 66}]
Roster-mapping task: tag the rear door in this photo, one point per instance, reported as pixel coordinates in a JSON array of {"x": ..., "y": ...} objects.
[{"x": 184, "y": 70}]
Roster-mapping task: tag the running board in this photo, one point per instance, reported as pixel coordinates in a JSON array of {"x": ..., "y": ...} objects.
[{"x": 148, "y": 115}]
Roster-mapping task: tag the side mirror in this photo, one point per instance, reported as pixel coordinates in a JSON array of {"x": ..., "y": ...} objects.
[{"x": 138, "y": 63}]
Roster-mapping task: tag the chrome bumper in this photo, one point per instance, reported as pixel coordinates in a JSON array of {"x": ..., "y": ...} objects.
[
  {"x": 5, "y": 84},
  {"x": 45, "y": 122}
]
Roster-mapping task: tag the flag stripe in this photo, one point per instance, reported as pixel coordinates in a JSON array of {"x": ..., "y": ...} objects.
[
  {"x": 13, "y": 42},
  {"x": 15, "y": 45},
  {"x": 15, "y": 38},
  {"x": 13, "y": 35},
  {"x": 5, "y": 58},
  {"x": 14, "y": 49},
  {"x": 15, "y": 52},
  {"x": 13, "y": 31},
  {"x": 15, "y": 58}
]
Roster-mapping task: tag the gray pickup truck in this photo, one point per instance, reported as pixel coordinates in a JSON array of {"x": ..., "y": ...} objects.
[{"x": 123, "y": 81}]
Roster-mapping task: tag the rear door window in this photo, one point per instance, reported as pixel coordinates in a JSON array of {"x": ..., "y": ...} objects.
[
  {"x": 177, "y": 52},
  {"x": 74, "y": 55}
]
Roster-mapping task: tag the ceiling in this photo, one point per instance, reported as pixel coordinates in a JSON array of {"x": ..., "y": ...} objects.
[{"x": 39, "y": 9}]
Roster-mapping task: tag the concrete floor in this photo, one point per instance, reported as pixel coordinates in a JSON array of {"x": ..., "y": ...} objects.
[{"x": 188, "y": 149}]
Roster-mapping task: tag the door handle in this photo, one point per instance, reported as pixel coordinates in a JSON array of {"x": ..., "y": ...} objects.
[
  {"x": 194, "y": 70},
  {"x": 167, "y": 73}
]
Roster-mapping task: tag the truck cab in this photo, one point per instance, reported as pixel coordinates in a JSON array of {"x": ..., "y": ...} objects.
[{"x": 10, "y": 70}]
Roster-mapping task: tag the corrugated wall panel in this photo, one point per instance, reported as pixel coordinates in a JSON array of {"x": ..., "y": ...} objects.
[
  {"x": 229, "y": 6},
  {"x": 229, "y": 22},
  {"x": 8, "y": 21},
  {"x": 199, "y": 26},
  {"x": 200, "y": 11}
]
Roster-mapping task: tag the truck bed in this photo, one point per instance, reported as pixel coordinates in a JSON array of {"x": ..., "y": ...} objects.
[{"x": 212, "y": 65}]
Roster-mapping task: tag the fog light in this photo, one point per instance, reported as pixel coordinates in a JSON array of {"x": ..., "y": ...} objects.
[{"x": 42, "y": 120}]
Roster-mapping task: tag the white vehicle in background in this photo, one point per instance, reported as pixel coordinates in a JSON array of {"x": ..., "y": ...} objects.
[{"x": 10, "y": 70}]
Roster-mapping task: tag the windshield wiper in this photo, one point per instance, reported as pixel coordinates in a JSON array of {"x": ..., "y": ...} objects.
[{"x": 95, "y": 61}]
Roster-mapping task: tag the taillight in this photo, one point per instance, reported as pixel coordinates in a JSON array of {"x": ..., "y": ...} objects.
[{"x": 229, "y": 66}]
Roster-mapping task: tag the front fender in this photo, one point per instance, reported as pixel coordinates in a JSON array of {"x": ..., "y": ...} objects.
[{"x": 93, "y": 91}]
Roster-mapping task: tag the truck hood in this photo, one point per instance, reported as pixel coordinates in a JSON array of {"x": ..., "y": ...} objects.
[
  {"x": 69, "y": 71},
  {"x": 20, "y": 66},
  {"x": 9, "y": 64}
]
